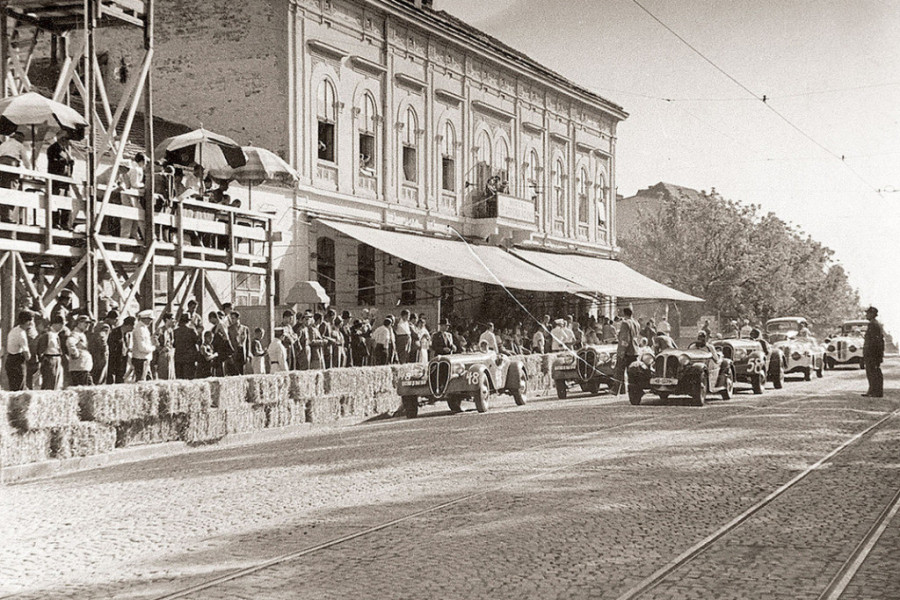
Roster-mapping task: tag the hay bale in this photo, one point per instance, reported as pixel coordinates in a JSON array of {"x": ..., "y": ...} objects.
[
  {"x": 324, "y": 409},
  {"x": 307, "y": 384},
  {"x": 285, "y": 414},
  {"x": 154, "y": 430},
  {"x": 269, "y": 389},
  {"x": 118, "y": 404},
  {"x": 206, "y": 426},
  {"x": 82, "y": 439},
  {"x": 41, "y": 410},
  {"x": 244, "y": 418},
  {"x": 229, "y": 392},
  {"x": 25, "y": 447},
  {"x": 386, "y": 403},
  {"x": 184, "y": 397},
  {"x": 5, "y": 427},
  {"x": 365, "y": 381}
]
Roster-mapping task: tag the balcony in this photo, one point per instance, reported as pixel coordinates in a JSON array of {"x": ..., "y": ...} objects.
[{"x": 503, "y": 215}]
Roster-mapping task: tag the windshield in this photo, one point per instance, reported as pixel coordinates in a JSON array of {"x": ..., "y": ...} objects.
[
  {"x": 784, "y": 326},
  {"x": 854, "y": 328}
]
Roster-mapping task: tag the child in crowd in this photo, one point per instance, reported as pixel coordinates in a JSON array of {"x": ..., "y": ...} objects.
[
  {"x": 257, "y": 353},
  {"x": 207, "y": 356}
]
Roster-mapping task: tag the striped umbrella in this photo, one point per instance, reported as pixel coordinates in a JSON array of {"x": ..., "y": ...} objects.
[
  {"x": 210, "y": 150},
  {"x": 262, "y": 166}
]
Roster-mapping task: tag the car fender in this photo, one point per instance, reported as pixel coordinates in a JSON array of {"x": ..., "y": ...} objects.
[
  {"x": 639, "y": 374},
  {"x": 725, "y": 368},
  {"x": 693, "y": 373},
  {"x": 515, "y": 374},
  {"x": 478, "y": 368}
]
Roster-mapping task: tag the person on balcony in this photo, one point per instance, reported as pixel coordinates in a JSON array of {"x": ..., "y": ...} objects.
[
  {"x": 13, "y": 153},
  {"x": 60, "y": 161}
]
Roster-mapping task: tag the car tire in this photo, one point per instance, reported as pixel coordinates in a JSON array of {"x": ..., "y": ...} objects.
[
  {"x": 807, "y": 374},
  {"x": 728, "y": 390},
  {"x": 562, "y": 390},
  {"x": 593, "y": 387},
  {"x": 698, "y": 391},
  {"x": 829, "y": 363},
  {"x": 777, "y": 375},
  {"x": 411, "y": 406},
  {"x": 635, "y": 394},
  {"x": 455, "y": 404},
  {"x": 819, "y": 371},
  {"x": 482, "y": 394},
  {"x": 520, "y": 394},
  {"x": 758, "y": 382}
]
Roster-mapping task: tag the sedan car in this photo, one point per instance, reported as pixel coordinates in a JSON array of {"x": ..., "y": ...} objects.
[
  {"x": 694, "y": 372},
  {"x": 458, "y": 377},
  {"x": 590, "y": 367}
]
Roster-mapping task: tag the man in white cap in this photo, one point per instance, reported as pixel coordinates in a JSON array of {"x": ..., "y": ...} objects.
[
  {"x": 81, "y": 363},
  {"x": 142, "y": 345}
]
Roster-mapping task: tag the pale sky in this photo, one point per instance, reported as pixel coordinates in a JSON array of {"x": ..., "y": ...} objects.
[{"x": 832, "y": 67}]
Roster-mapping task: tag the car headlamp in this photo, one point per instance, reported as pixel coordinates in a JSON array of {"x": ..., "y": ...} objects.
[
  {"x": 684, "y": 360},
  {"x": 603, "y": 357},
  {"x": 852, "y": 348},
  {"x": 832, "y": 348},
  {"x": 795, "y": 356},
  {"x": 647, "y": 359},
  {"x": 458, "y": 369}
]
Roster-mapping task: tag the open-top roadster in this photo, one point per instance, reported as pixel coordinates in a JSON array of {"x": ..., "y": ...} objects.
[
  {"x": 590, "y": 367},
  {"x": 846, "y": 348},
  {"x": 458, "y": 377},
  {"x": 694, "y": 372},
  {"x": 801, "y": 354},
  {"x": 752, "y": 362}
]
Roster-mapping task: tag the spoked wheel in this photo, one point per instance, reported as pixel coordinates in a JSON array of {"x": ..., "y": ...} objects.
[
  {"x": 728, "y": 390},
  {"x": 411, "y": 406},
  {"x": 519, "y": 394},
  {"x": 562, "y": 390},
  {"x": 482, "y": 394},
  {"x": 698, "y": 392}
]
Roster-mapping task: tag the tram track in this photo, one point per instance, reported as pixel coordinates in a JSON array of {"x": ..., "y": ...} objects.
[{"x": 514, "y": 480}]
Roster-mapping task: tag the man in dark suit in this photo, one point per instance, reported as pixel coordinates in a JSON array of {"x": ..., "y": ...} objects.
[
  {"x": 873, "y": 354},
  {"x": 443, "y": 341},
  {"x": 627, "y": 352}
]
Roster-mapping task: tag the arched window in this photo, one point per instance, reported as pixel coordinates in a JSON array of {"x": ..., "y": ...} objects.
[
  {"x": 448, "y": 158},
  {"x": 368, "y": 119},
  {"x": 326, "y": 112},
  {"x": 483, "y": 162},
  {"x": 559, "y": 189},
  {"x": 601, "y": 200},
  {"x": 583, "y": 196},
  {"x": 326, "y": 266},
  {"x": 533, "y": 176},
  {"x": 365, "y": 278},
  {"x": 410, "y": 143},
  {"x": 501, "y": 166}
]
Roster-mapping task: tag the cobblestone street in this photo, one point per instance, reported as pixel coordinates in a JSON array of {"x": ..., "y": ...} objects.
[{"x": 582, "y": 498}]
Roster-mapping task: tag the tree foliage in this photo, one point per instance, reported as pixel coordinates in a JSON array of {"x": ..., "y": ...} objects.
[{"x": 742, "y": 262}]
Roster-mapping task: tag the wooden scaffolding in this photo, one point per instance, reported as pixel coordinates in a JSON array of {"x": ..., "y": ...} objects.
[{"x": 113, "y": 239}]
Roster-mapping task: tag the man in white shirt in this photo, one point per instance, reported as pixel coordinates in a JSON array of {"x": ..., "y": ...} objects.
[
  {"x": 664, "y": 327},
  {"x": 81, "y": 363},
  {"x": 277, "y": 353},
  {"x": 142, "y": 345},
  {"x": 17, "y": 351},
  {"x": 537, "y": 341},
  {"x": 561, "y": 336},
  {"x": 746, "y": 329},
  {"x": 403, "y": 337},
  {"x": 489, "y": 338},
  {"x": 383, "y": 338}
]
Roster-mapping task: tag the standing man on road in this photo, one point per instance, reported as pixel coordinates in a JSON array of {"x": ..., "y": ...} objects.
[
  {"x": 627, "y": 353},
  {"x": 873, "y": 354}
]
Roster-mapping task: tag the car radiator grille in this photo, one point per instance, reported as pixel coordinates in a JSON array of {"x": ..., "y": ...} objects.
[
  {"x": 585, "y": 364},
  {"x": 438, "y": 377},
  {"x": 842, "y": 350},
  {"x": 666, "y": 366}
]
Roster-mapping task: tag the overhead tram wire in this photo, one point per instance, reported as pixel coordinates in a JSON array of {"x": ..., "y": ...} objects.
[{"x": 764, "y": 99}]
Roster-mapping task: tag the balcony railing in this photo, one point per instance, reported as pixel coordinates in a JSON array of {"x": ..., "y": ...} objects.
[{"x": 507, "y": 208}]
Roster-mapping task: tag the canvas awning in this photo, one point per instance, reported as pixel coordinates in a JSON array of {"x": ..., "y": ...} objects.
[
  {"x": 458, "y": 259},
  {"x": 603, "y": 275}
]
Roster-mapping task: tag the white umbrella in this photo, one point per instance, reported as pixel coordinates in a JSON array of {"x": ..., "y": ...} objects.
[{"x": 33, "y": 110}]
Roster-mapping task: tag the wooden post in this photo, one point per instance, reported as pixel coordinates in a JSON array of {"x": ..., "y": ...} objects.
[
  {"x": 4, "y": 47},
  {"x": 270, "y": 284},
  {"x": 147, "y": 291}
]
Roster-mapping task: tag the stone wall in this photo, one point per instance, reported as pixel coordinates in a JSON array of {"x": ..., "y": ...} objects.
[{"x": 44, "y": 426}]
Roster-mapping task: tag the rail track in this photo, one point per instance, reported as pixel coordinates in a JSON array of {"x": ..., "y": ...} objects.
[{"x": 756, "y": 403}]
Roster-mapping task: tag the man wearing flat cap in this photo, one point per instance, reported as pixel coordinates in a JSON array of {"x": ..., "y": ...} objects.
[
  {"x": 443, "y": 341},
  {"x": 873, "y": 354}
]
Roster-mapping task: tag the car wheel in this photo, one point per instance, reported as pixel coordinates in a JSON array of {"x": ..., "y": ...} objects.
[
  {"x": 728, "y": 390},
  {"x": 562, "y": 390},
  {"x": 777, "y": 375},
  {"x": 829, "y": 363},
  {"x": 819, "y": 372},
  {"x": 698, "y": 391},
  {"x": 635, "y": 393},
  {"x": 758, "y": 382},
  {"x": 519, "y": 394},
  {"x": 807, "y": 374},
  {"x": 455, "y": 404},
  {"x": 593, "y": 387},
  {"x": 411, "y": 406},
  {"x": 482, "y": 394}
]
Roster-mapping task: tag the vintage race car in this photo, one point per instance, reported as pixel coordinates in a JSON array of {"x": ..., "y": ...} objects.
[
  {"x": 590, "y": 367},
  {"x": 458, "y": 377},
  {"x": 693, "y": 372},
  {"x": 846, "y": 348},
  {"x": 750, "y": 361},
  {"x": 801, "y": 355}
]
